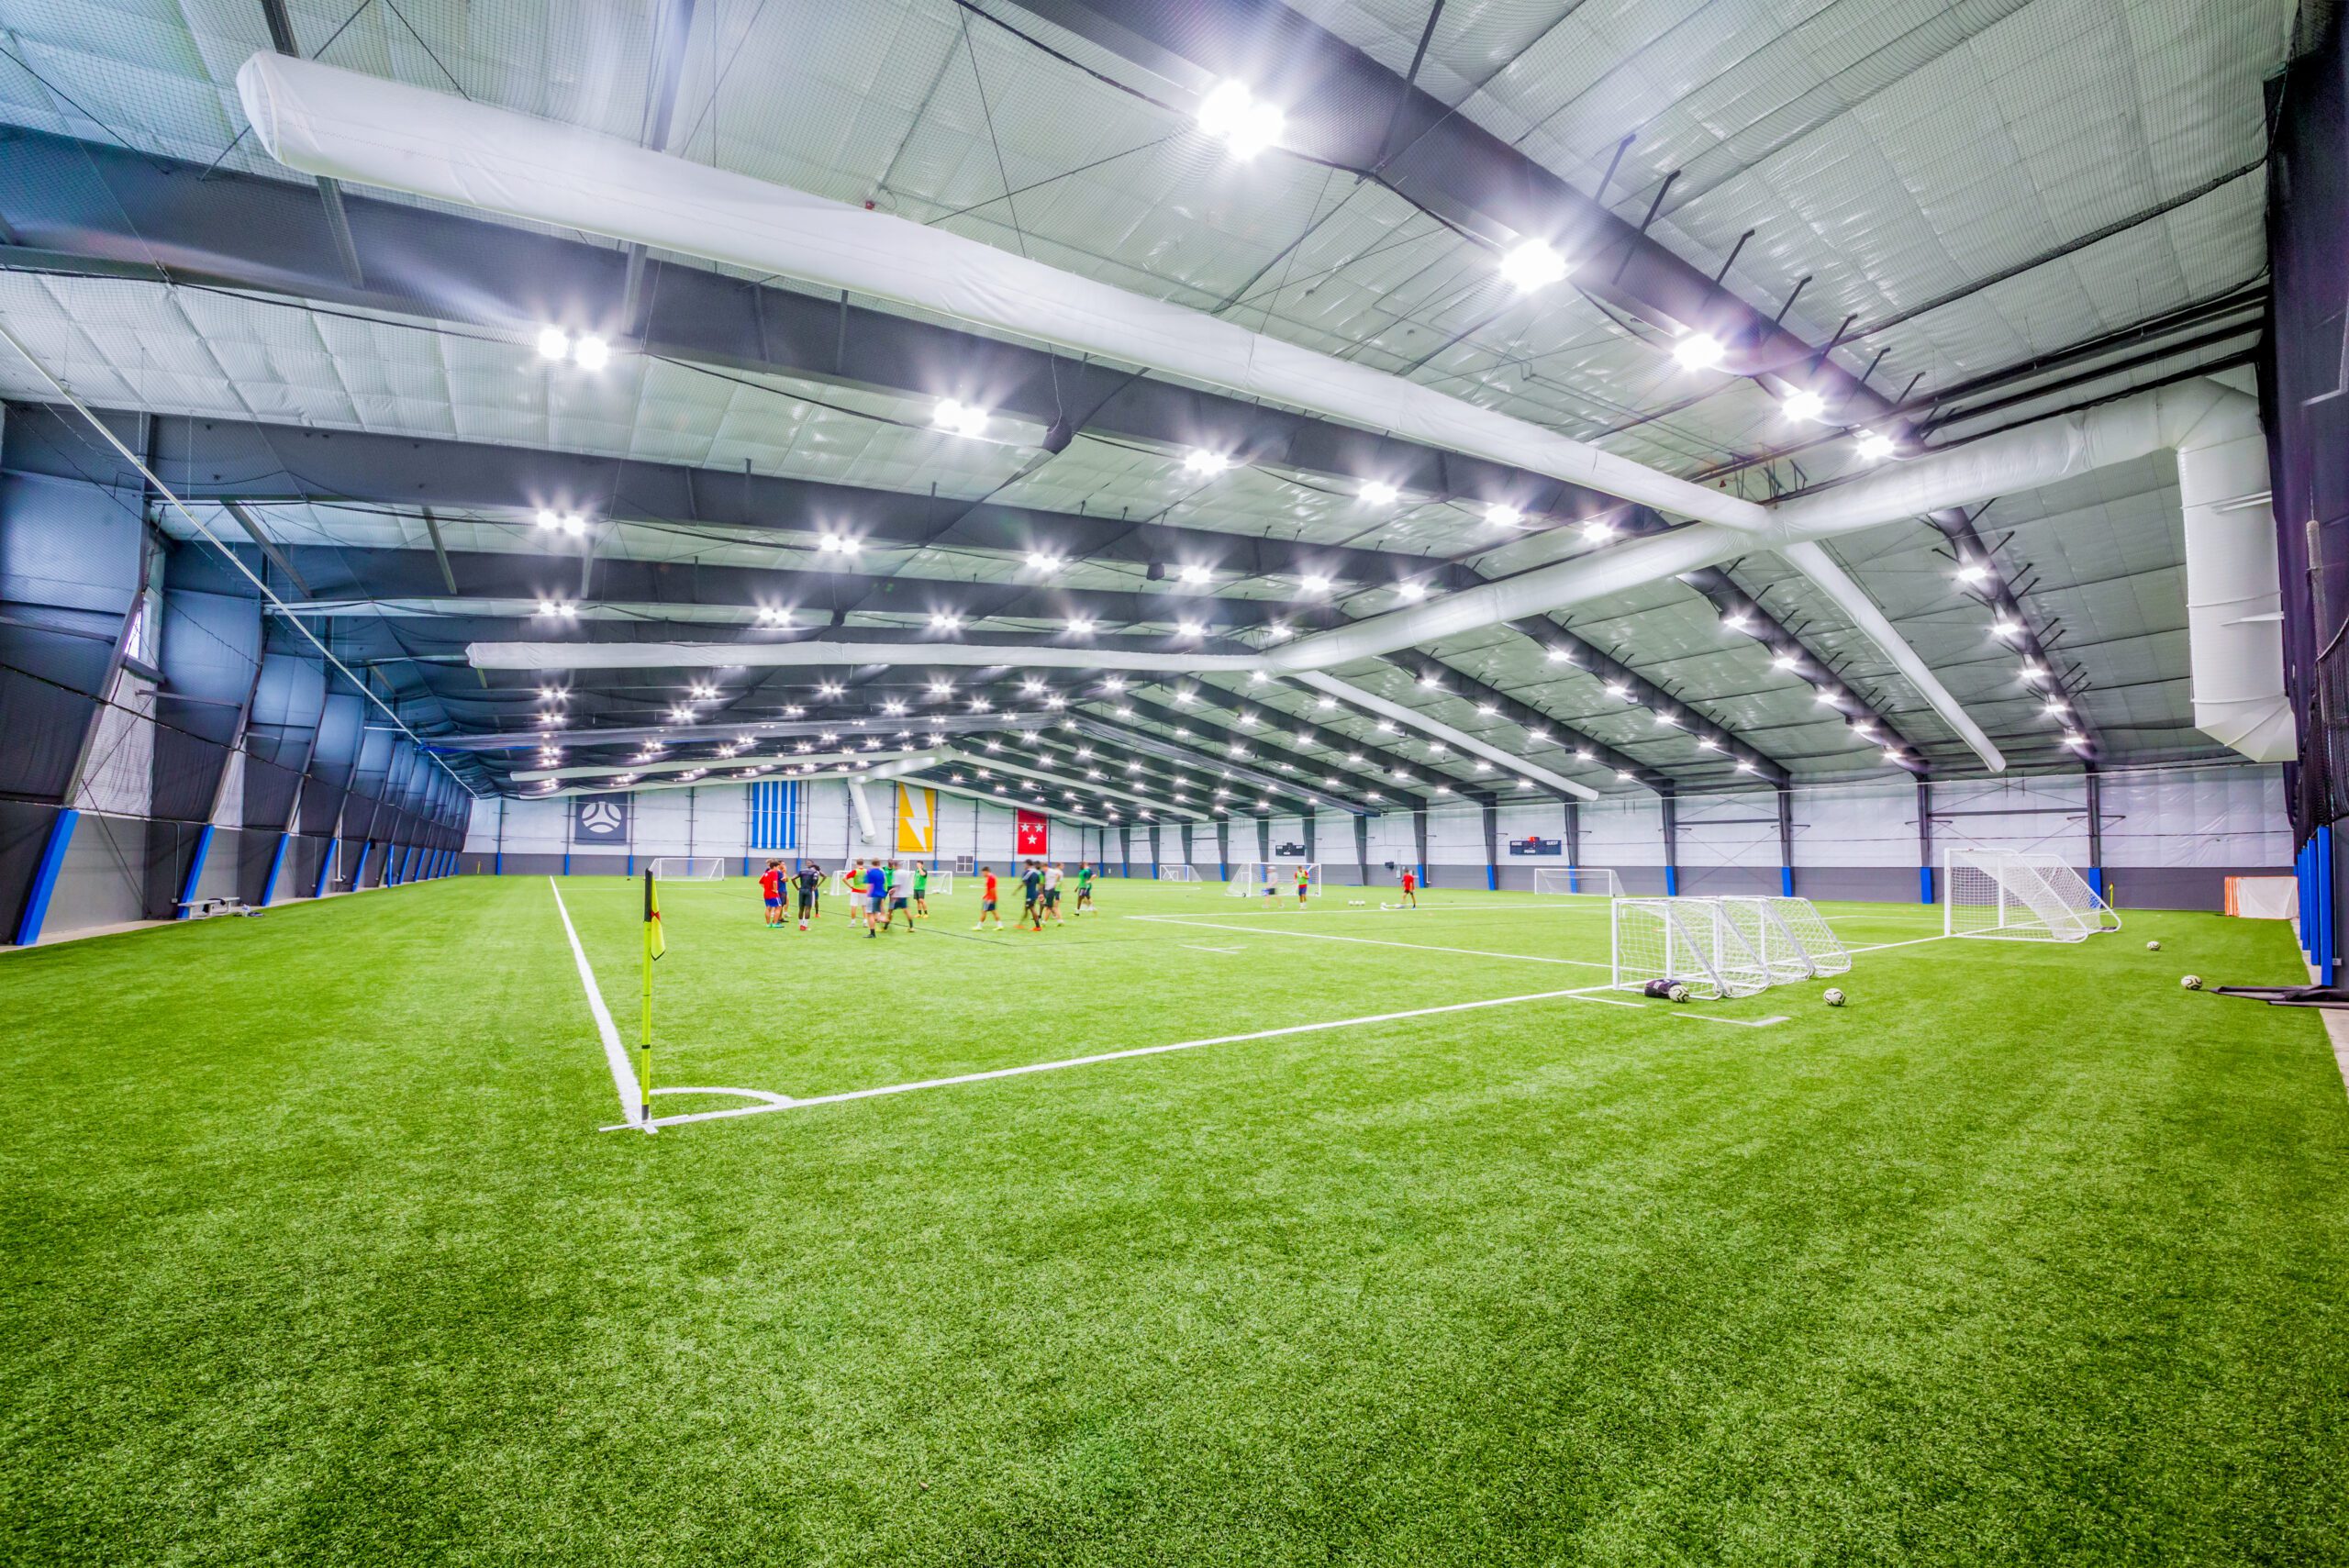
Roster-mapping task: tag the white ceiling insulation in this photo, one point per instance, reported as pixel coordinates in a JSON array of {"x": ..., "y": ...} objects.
[{"x": 1894, "y": 151}]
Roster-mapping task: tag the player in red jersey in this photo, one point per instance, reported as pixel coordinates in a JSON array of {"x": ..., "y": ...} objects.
[{"x": 987, "y": 908}]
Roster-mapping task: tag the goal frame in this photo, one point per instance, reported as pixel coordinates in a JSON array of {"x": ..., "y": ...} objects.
[
  {"x": 1578, "y": 882},
  {"x": 1178, "y": 870},
  {"x": 1789, "y": 935},
  {"x": 2032, "y": 896},
  {"x": 1255, "y": 879},
  {"x": 659, "y": 866},
  {"x": 1696, "y": 942}
]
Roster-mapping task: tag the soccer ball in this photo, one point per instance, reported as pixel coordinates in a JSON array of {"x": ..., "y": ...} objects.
[
  {"x": 2191, "y": 982},
  {"x": 1831, "y": 997},
  {"x": 1677, "y": 993},
  {"x": 2152, "y": 947}
]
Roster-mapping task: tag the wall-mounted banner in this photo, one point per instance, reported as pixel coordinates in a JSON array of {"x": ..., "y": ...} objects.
[
  {"x": 774, "y": 813},
  {"x": 599, "y": 818},
  {"x": 1035, "y": 833},
  {"x": 1289, "y": 851},
  {"x": 916, "y": 820},
  {"x": 1537, "y": 847}
]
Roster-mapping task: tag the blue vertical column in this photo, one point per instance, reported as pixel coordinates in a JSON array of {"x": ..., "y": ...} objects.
[
  {"x": 195, "y": 870},
  {"x": 276, "y": 864},
  {"x": 53, "y": 861},
  {"x": 2325, "y": 952},
  {"x": 359, "y": 867},
  {"x": 326, "y": 867}
]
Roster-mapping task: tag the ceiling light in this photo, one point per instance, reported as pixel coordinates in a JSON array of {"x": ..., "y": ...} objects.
[
  {"x": 2074, "y": 739},
  {"x": 548, "y": 518},
  {"x": 941, "y": 688},
  {"x": 1431, "y": 681},
  {"x": 1487, "y": 708},
  {"x": 1501, "y": 515},
  {"x": 1582, "y": 753},
  {"x": 1313, "y": 583},
  {"x": 893, "y": 707},
  {"x": 1236, "y": 117},
  {"x": 1032, "y": 685},
  {"x": 959, "y": 417},
  {"x": 1707, "y": 743},
  {"x": 774, "y": 615},
  {"x": 828, "y": 689},
  {"x": 1204, "y": 463},
  {"x": 1278, "y": 631},
  {"x": 980, "y": 705},
  {"x": 1325, "y": 702},
  {"x": 591, "y": 352},
  {"x": 554, "y": 343},
  {"x": 1558, "y": 656},
  {"x": 1785, "y": 661},
  {"x": 1972, "y": 572},
  {"x": 1413, "y": 592},
  {"x": 1736, "y": 621},
  {"x": 1037, "y": 560},
  {"x": 2057, "y": 705},
  {"x": 1623, "y": 774},
  {"x": 1875, "y": 445},
  {"x": 1187, "y": 695},
  {"x": 2002, "y": 627},
  {"x": 1745, "y": 765},
  {"x": 944, "y": 621},
  {"x": 1190, "y": 629},
  {"x": 1192, "y": 574},
  {"x": 1598, "y": 531},
  {"x": 2031, "y": 670},
  {"x": 1827, "y": 694},
  {"x": 1892, "y": 753},
  {"x": 1125, "y": 713},
  {"x": 1534, "y": 265},
  {"x": 837, "y": 544},
  {"x": 1698, "y": 351},
  {"x": 1379, "y": 493},
  {"x": 1114, "y": 684},
  {"x": 1805, "y": 405},
  {"x": 1618, "y": 691}
]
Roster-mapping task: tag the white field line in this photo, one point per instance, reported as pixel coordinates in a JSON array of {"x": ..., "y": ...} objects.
[
  {"x": 1290, "y": 911},
  {"x": 615, "y": 1054},
  {"x": 1196, "y": 947},
  {"x": 1678, "y": 1013},
  {"x": 782, "y": 1104},
  {"x": 1912, "y": 942},
  {"x": 1368, "y": 941}
]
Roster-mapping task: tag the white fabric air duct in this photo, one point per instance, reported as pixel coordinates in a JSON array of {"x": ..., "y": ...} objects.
[
  {"x": 1401, "y": 713},
  {"x": 865, "y": 832},
  {"x": 2234, "y": 604},
  {"x": 347, "y": 124}
]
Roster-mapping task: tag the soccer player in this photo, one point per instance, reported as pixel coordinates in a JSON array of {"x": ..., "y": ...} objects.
[
  {"x": 1031, "y": 891},
  {"x": 810, "y": 884},
  {"x": 898, "y": 887},
  {"x": 1304, "y": 884},
  {"x": 1053, "y": 892},
  {"x": 877, "y": 889},
  {"x": 1411, "y": 889},
  {"x": 771, "y": 889},
  {"x": 1084, "y": 890},
  {"x": 987, "y": 908},
  {"x": 921, "y": 891}
]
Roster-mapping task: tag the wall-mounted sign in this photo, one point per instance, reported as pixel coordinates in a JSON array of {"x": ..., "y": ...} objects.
[{"x": 1537, "y": 847}]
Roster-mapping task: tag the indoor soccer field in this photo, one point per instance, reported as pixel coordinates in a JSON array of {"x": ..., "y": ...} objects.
[
  {"x": 1174, "y": 784},
  {"x": 319, "y": 1255}
]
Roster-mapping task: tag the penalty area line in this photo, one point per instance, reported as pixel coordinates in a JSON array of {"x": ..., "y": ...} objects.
[
  {"x": 615, "y": 1054},
  {"x": 792, "y": 1104},
  {"x": 1366, "y": 941}
]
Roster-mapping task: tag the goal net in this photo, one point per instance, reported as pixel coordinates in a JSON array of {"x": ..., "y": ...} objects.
[
  {"x": 1789, "y": 935},
  {"x": 2022, "y": 895},
  {"x": 1253, "y": 879},
  {"x": 1594, "y": 882},
  {"x": 942, "y": 881},
  {"x": 689, "y": 868},
  {"x": 1178, "y": 874},
  {"x": 1692, "y": 940}
]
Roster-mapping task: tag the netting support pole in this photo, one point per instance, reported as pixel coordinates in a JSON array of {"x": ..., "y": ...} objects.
[
  {"x": 2096, "y": 831},
  {"x": 1924, "y": 841},
  {"x": 1573, "y": 846},
  {"x": 1786, "y": 843},
  {"x": 1671, "y": 846},
  {"x": 644, "y": 1035},
  {"x": 1492, "y": 847}
]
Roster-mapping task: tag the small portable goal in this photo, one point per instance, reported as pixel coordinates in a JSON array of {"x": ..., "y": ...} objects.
[
  {"x": 1178, "y": 874},
  {"x": 689, "y": 868},
  {"x": 1694, "y": 941},
  {"x": 1789, "y": 935},
  {"x": 1589, "y": 882},
  {"x": 2019, "y": 896}
]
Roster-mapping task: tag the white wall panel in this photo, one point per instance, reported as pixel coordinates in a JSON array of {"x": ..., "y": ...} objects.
[
  {"x": 1456, "y": 836},
  {"x": 1856, "y": 825},
  {"x": 1625, "y": 832},
  {"x": 2207, "y": 817},
  {"x": 2046, "y": 816},
  {"x": 1739, "y": 829}
]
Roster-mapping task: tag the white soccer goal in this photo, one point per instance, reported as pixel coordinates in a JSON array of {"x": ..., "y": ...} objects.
[
  {"x": 1594, "y": 882},
  {"x": 1692, "y": 940},
  {"x": 1253, "y": 879},
  {"x": 689, "y": 868},
  {"x": 2020, "y": 895},
  {"x": 1789, "y": 935},
  {"x": 1178, "y": 874},
  {"x": 942, "y": 881}
]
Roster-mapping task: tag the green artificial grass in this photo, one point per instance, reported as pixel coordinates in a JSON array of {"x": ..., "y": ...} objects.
[{"x": 316, "y": 1253}]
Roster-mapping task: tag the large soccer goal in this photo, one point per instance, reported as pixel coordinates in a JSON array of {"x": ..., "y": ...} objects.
[
  {"x": 1692, "y": 941},
  {"x": 2020, "y": 895},
  {"x": 1594, "y": 881},
  {"x": 1789, "y": 935},
  {"x": 942, "y": 881},
  {"x": 1253, "y": 879},
  {"x": 689, "y": 868},
  {"x": 1178, "y": 874}
]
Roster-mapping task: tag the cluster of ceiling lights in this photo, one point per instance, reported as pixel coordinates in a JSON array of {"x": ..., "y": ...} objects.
[
  {"x": 2006, "y": 629},
  {"x": 1245, "y": 124},
  {"x": 586, "y": 350}
]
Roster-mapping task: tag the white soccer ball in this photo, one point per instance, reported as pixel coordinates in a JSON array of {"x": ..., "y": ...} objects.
[
  {"x": 1678, "y": 993},
  {"x": 2191, "y": 982},
  {"x": 1831, "y": 997},
  {"x": 2152, "y": 947}
]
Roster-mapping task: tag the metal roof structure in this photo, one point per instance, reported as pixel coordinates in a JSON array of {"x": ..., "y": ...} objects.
[{"x": 1956, "y": 217}]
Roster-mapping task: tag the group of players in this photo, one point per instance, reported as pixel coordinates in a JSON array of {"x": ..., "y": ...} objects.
[{"x": 879, "y": 893}]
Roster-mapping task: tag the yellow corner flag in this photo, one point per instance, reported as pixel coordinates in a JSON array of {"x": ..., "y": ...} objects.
[{"x": 655, "y": 944}]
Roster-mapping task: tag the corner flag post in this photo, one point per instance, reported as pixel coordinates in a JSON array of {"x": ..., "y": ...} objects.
[{"x": 653, "y": 948}]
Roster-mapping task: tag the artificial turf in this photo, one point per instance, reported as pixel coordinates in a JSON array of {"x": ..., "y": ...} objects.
[{"x": 316, "y": 1254}]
